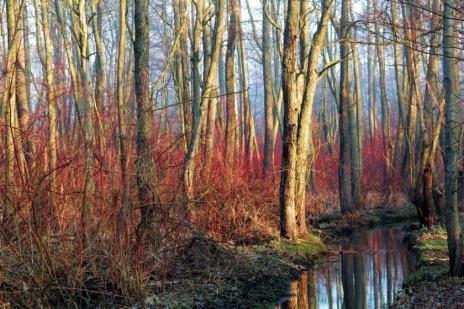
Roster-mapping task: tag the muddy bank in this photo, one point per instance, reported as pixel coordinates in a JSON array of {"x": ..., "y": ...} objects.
[
  {"x": 217, "y": 275},
  {"x": 430, "y": 286},
  {"x": 210, "y": 274},
  {"x": 335, "y": 226}
]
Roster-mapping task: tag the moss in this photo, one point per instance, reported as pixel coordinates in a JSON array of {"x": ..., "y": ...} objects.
[
  {"x": 391, "y": 215},
  {"x": 432, "y": 248},
  {"x": 373, "y": 219},
  {"x": 429, "y": 283},
  {"x": 337, "y": 226},
  {"x": 434, "y": 244},
  {"x": 429, "y": 273},
  {"x": 303, "y": 248}
]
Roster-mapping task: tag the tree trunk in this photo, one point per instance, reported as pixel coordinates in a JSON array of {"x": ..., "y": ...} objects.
[
  {"x": 269, "y": 141},
  {"x": 10, "y": 116},
  {"x": 288, "y": 228},
  {"x": 384, "y": 110},
  {"x": 123, "y": 213},
  {"x": 52, "y": 120},
  {"x": 452, "y": 131},
  {"x": 22, "y": 92},
  {"x": 231, "y": 104},
  {"x": 86, "y": 118},
  {"x": 297, "y": 121},
  {"x": 345, "y": 182},
  {"x": 189, "y": 162},
  {"x": 144, "y": 165}
]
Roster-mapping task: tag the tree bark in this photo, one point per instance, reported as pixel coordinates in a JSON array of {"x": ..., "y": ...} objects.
[
  {"x": 297, "y": 121},
  {"x": 452, "y": 132},
  {"x": 189, "y": 162},
  {"x": 123, "y": 212},
  {"x": 231, "y": 104},
  {"x": 345, "y": 180},
  {"x": 269, "y": 142},
  {"x": 52, "y": 119},
  {"x": 144, "y": 165}
]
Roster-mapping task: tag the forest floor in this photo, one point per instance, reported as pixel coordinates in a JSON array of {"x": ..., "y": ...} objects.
[
  {"x": 210, "y": 274},
  {"x": 213, "y": 274},
  {"x": 430, "y": 286}
]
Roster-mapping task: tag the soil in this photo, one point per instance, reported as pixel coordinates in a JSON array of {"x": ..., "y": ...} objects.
[
  {"x": 430, "y": 286},
  {"x": 225, "y": 275}
]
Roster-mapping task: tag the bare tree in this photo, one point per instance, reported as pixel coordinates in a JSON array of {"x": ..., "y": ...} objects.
[
  {"x": 144, "y": 165},
  {"x": 297, "y": 119},
  {"x": 452, "y": 132}
]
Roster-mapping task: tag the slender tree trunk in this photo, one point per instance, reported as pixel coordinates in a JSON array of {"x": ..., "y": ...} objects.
[
  {"x": 100, "y": 72},
  {"x": 269, "y": 141},
  {"x": 10, "y": 117},
  {"x": 100, "y": 63},
  {"x": 231, "y": 104},
  {"x": 52, "y": 118},
  {"x": 22, "y": 94},
  {"x": 249, "y": 130},
  {"x": 384, "y": 111},
  {"x": 85, "y": 106},
  {"x": 189, "y": 162},
  {"x": 210, "y": 122},
  {"x": 195, "y": 68},
  {"x": 346, "y": 181},
  {"x": 452, "y": 132},
  {"x": 144, "y": 165},
  {"x": 359, "y": 122},
  {"x": 412, "y": 139},
  {"x": 124, "y": 212},
  {"x": 398, "y": 81}
]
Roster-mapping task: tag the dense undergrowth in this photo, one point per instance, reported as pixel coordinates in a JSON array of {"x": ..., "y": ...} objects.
[{"x": 234, "y": 205}]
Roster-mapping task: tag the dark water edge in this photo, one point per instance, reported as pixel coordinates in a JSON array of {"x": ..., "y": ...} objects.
[{"x": 368, "y": 273}]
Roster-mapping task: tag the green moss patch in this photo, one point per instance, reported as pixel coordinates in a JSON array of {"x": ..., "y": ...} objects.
[
  {"x": 429, "y": 285},
  {"x": 335, "y": 226},
  {"x": 310, "y": 247}
]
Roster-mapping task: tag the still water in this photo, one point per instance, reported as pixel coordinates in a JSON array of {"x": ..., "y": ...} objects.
[{"x": 368, "y": 273}]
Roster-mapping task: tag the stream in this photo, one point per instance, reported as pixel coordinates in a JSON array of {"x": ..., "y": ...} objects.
[{"x": 368, "y": 273}]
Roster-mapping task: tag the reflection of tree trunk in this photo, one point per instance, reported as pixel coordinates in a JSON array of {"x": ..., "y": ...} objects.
[
  {"x": 328, "y": 284},
  {"x": 389, "y": 269},
  {"x": 360, "y": 280},
  {"x": 348, "y": 282},
  {"x": 298, "y": 293},
  {"x": 376, "y": 270},
  {"x": 312, "y": 293}
]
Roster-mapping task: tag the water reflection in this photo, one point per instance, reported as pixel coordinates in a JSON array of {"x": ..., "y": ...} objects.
[{"x": 367, "y": 274}]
